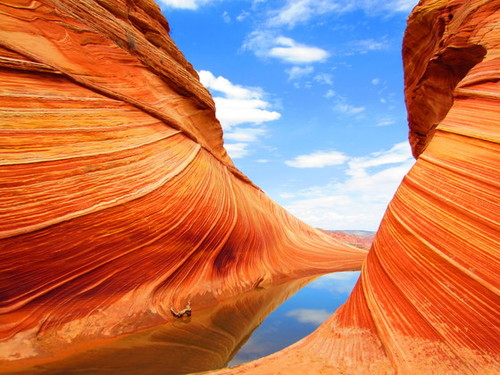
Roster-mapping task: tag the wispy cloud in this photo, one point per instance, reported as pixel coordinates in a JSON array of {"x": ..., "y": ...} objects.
[
  {"x": 324, "y": 78},
  {"x": 245, "y": 134},
  {"x": 312, "y": 316},
  {"x": 385, "y": 121},
  {"x": 347, "y": 109},
  {"x": 186, "y": 4},
  {"x": 403, "y": 5},
  {"x": 360, "y": 199},
  {"x": 318, "y": 159},
  {"x": 295, "y": 12},
  {"x": 300, "y": 11},
  {"x": 242, "y": 16},
  {"x": 226, "y": 17},
  {"x": 330, "y": 94},
  {"x": 241, "y": 111},
  {"x": 367, "y": 45},
  {"x": 296, "y": 72},
  {"x": 237, "y": 150},
  {"x": 342, "y": 105}
]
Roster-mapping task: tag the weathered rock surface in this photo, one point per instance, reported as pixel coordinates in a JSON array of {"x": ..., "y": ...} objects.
[
  {"x": 205, "y": 340},
  {"x": 428, "y": 298},
  {"x": 118, "y": 200}
]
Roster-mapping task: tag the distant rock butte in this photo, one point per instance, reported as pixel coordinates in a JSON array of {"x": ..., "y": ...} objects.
[
  {"x": 361, "y": 239},
  {"x": 119, "y": 202}
]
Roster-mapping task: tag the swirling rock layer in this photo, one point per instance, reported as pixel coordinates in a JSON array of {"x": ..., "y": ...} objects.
[
  {"x": 118, "y": 200},
  {"x": 428, "y": 298}
]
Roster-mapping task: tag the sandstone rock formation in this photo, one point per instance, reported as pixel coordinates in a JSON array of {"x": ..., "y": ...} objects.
[
  {"x": 428, "y": 298},
  {"x": 205, "y": 340},
  {"x": 118, "y": 201},
  {"x": 361, "y": 239}
]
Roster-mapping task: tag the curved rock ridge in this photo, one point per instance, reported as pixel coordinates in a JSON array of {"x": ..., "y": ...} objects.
[
  {"x": 118, "y": 201},
  {"x": 428, "y": 301}
]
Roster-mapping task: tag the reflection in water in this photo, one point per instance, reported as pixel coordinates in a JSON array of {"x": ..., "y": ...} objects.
[
  {"x": 298, "y": 316},
  {"x": 209, "y": 339}
]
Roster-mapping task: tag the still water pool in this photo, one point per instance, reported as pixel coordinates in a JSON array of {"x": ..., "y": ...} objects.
[
  {"x": 298, "y": 316},
  {"x": 236, "y": 330}
]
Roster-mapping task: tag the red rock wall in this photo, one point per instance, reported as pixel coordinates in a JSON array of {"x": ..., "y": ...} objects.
[
  {"x": 118, "y": 200},
  {"x": 428, "y": 298}
]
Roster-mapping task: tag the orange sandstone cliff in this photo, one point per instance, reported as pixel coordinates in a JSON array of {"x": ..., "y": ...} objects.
[
  {"x": 428, "y": 301},
  {"x": 118, "y": 201}
]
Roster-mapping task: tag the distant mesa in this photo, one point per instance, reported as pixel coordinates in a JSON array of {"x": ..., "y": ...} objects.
[{"x": 362, "y": 239}]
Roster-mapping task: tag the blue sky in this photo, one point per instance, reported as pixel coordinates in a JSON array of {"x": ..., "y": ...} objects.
[{"x": 310, "y": 96}]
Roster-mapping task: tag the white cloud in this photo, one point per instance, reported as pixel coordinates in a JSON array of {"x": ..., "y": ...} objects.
[
  {"x": 185, "y": 4},
  {"x": 231, "y": 112},
  {"x": 385, "y": 121},
  {"x": 359, "y": 200},
  {"x": 241, "y": 111},
  {"x": 296, "y": 12},
  {"x": 404, "y": 5},
  {"x": 300, "y": 11},
  {"x": 342, "y": 106},
  {"x": 313, "y": 316},
  {"x": 224, "y": 86},
  {"x": 347, "y": 109},
  {"x": 242, "y": 16},
  {"x": 288, "y": 50},
  {"x": 264, "y": 44},
  {"x": 237, "y": 150},
  {"x": 338, "y": 282},
  {"x": 324, "y": 78},
  {"x": 399, "y": 153},
  {"x": 239, "y": 105},
  {"x": 226, "y": 17},
  {"x": 368, "y": 45},
  {"x": 375, "y": 81},
  {"x": 296, "y": 72},
  {"x": 245, "y": 134},
  {"x": 318, "y": 159},
  {"x": 330, "y": 93}
]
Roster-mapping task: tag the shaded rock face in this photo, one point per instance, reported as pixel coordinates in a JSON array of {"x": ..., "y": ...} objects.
[
  {"x": 118, "y": 201},
  {"x": 427, "y": 301}
]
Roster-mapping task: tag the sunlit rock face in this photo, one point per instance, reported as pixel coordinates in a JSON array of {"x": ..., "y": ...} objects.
[
  {"x": 118, "y": 201},
  {"x": 428, "y": 298}
]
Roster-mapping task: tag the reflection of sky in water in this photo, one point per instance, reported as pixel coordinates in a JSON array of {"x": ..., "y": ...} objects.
[{"x": 298, "y": 316}]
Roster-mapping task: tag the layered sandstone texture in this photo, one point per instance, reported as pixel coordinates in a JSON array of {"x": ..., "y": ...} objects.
[
  {"x": 427, "y": 301},
  {"x": 118, "y": 201}
]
